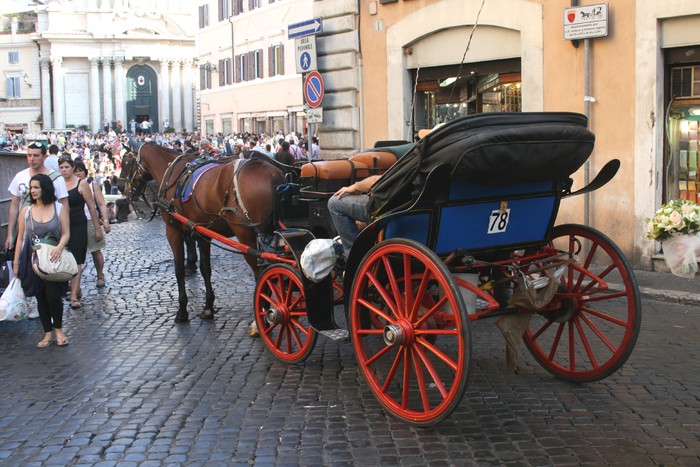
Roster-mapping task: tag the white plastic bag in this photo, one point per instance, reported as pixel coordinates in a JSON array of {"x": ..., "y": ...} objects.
[
  {"x": 319, "y": 257},
  {"x": 680, "y": 254},
  {"x": 13, "y": 304}
]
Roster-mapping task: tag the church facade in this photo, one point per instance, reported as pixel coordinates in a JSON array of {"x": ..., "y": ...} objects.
[{"x": 108, "y": 62}]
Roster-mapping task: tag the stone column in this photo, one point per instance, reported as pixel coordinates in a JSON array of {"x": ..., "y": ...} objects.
[
  {"x": 44, "y": 64},
  {"x": 59, "y": 102},
  {"x": 188, "y": 108},
  {"x": 176, "y": 122},
  {"x": 119, "y": 91},
  {"x": 107, "y": 109},
  {"x": 94, "y": 94},
  {"x": 164, "y": 93}
]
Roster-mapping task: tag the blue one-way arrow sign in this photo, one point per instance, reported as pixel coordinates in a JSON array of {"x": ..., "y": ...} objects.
[{"x": 305, "y": 28}]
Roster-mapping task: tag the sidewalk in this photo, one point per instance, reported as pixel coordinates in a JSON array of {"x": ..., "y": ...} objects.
[{"x": 664, "y": 286}]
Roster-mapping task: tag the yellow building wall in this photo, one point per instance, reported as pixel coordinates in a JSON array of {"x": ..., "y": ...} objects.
[{"x": 612, "y": 119}]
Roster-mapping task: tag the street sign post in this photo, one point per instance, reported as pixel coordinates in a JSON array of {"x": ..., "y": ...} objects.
[
  {"x": 585, "y": 22},
  {"x": 314, "y": 115},
  {"x": 305, "y": 53},
  {"x": 305, "y": 28},
  {"x": 314, "y": 89}
]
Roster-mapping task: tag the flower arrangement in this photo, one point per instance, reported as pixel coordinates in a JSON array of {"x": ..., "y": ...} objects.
[{"x": 675, "y": 218}]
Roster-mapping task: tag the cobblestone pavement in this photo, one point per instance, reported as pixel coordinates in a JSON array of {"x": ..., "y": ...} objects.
[{"x": 134, "y": 388}]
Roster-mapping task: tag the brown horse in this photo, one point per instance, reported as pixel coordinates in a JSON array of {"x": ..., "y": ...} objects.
[{"x": 230, "y": 199}]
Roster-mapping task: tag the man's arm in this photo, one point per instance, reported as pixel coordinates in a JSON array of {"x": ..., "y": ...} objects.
[
  {"x": 12, "y": 220},
  {"x": 359, "y": 187}
]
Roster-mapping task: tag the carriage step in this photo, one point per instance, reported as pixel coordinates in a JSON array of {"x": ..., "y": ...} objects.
[{"x": 335, "y": 334}]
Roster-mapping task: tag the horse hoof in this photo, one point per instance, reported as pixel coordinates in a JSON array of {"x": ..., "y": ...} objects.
[
  {"x": 253, "y": 329},
  {"x": 207, "y": 314},
  {"x": 181, "y": 319}
]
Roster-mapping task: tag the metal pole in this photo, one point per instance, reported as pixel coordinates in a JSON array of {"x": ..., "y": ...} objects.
[{"x": 587, "y": 112}]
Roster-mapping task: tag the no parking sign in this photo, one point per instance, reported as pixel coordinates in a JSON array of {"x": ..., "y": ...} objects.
[{"x": 314, "y": 89}]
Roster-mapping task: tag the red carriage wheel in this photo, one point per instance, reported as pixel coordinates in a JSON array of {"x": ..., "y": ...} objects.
[
  {"x": 280, "y": 313},
  {"x": 410, "y": 331},
  {"x": 593, "y": 329}
]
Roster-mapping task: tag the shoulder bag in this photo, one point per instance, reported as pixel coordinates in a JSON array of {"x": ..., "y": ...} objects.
[{"x": 52, "y": 271}]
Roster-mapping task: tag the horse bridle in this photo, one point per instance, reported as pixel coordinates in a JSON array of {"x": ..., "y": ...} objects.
[{"x": 135, "y": 170}]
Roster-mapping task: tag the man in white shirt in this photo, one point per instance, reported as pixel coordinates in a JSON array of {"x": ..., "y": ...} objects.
[{"x": 19, "y": 187}]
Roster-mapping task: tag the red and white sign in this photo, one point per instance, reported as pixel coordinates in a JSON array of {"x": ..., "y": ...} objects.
[
  {"x": 585, "y": 22},
  {"x": 314, "y": 89}
]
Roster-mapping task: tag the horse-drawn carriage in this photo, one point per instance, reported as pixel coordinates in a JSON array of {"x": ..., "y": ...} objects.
[{"x": 463, "y": 230}]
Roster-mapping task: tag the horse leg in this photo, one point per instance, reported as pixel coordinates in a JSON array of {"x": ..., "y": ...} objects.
[
  {"x": 191, "y": 244},
  {"x": 176, "y": 244},
  {"x": 205, "y": 268},
  {"x": 248, "y": 237}
]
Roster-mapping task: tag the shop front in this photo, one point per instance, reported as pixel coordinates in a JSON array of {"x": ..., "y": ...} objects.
[
  {"x": 681, "y": 176},
  {"x": 449, "y": 92}
]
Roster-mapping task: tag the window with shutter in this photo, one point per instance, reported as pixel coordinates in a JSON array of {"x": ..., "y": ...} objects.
[
  {"x": 271, "y": 61},
  {"x": 251, "y": 69},
  {"x": 258, "y": 60}
]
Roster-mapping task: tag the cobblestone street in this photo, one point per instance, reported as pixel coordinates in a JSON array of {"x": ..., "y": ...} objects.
[{"x": 134, "y": 388}]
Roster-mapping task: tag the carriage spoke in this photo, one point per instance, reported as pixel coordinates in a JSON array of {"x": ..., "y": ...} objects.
[
  {"x": 406, "y": 379},
  {"x": 586, "y": 343},
  {"x": 420, "y": 380},
  {"x": 288, "y": 333},
  {"x": 421, "y": 291},
  {"x": 544, "y": 327},
  {"x": 384, "y": 294},
  {"x": 604, "y": 316},
  {"x": 430, "y": 312},
  {"x": 609, "y": 296},
  {"x": 300, "y": 327},
  {"x": 599, "y": 333},
  {"x": 268, "y": 299},
  {"x": 572, "y": 346},
  {"x": 394, "y": 286},
  {"x": 378, "y": 355},
  {"x": 407, "y": 283},
  {"x": 376, "y": 311},
  {"x": 394, "y": 367},
  {"x": 439, "y": 354},
  {"x": 432, "y": 371},
  {"x": 555, "y": 344}
]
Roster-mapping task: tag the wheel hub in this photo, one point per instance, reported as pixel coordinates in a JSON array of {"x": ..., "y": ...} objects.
[
  {"x": 275, "y": 316},
  {"x": 400, "y": 333}
]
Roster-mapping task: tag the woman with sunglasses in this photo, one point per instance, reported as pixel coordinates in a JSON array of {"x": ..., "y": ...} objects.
[{"x": 79, "y": 195}]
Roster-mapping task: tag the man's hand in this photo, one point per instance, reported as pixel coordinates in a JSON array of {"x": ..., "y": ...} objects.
[{"x": 347, "y": 190}]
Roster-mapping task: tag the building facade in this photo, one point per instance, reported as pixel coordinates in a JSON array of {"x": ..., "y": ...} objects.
[
  {"x": 423, "y": 62},
  {"x": 20, "y": 90},
  {"x": 107, "y": 62},
  {"x": 246, "y": 73}
]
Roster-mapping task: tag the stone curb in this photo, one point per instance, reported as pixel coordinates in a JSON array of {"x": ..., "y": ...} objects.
[{"x": 663, "y": 295}]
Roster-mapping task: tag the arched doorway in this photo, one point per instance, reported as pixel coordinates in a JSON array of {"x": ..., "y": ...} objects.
[{"x": 141, "y": 95}]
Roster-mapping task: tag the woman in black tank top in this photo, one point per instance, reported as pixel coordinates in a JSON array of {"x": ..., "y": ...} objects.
[{"x": 79, "y": 195}]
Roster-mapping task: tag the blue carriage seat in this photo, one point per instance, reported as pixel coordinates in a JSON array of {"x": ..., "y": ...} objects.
[{"x": 483, "y": 182}]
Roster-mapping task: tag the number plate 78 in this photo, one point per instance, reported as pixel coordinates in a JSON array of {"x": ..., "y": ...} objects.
[{"x": 498, "y": 221}]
